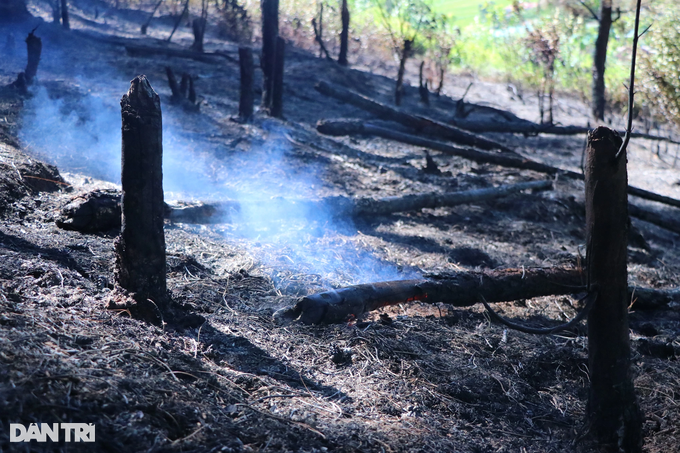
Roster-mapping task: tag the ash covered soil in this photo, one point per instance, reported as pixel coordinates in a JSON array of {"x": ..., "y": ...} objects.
[{"x": 224, "y": 376}]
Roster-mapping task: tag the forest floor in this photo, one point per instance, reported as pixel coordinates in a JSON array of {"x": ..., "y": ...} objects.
[{"x": 225, "y": 376}]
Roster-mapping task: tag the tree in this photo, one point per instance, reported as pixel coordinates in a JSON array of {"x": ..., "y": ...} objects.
[
  {"x": 13, "y": 11},
  {"x": 270, "y": 31},
  {"x": 404, "y": 21},
  {"x": 600, "y": 57},
  {"x": 344, "y": 34}
]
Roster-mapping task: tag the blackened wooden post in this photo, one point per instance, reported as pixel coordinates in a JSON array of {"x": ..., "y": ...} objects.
[
  {"x": 172, "y": 83},
  {"x": 245, "y": 105},
  {"x": 270, "y": 31},
  {"x": 344, "y": 34},
  {"x": 34, "y": 49},
  {"x": 277, "y": 88},
  {"x": 140, "y": 248},
  {"x": 64, "y": 15},
  {"x": 613, "y": 411}
]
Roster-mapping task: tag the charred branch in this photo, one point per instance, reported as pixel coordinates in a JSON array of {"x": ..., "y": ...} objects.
[{"x": 319, "y": 39}]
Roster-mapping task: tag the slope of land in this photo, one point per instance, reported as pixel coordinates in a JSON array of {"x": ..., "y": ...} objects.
[{"x": 223, "y": 376}]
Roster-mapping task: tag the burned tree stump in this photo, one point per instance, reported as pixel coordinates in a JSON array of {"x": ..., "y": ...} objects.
[
  {"x": 34, "y": 48},
  {"x": 270, "y": 31},
  {"x": 613, "y": 412},
  {"x": 277, "y": 88},
  {"x": 140, "y": 248},
  {"x": 245, "y": 105}
]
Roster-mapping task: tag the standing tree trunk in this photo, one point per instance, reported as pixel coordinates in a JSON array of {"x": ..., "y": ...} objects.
[
  {"x": 600, "y": 59},
  {"x": 270, "y": 31},
  {"x": 34, "y": 49},
  {"x": 613, "y": 411},
  {"x": 198, "y": 27},
  {"x": 422, "y": 87},
  {"x": 56, "y": 11},
  {"x": 245, "y": 105},
  {"x": 277, "y": 95},
  {"x": 344, "y": 34},
  {"x": 64, "y": 15},
  {"x": 140, "y": 248},
  {"x": 405, "y": 53}
]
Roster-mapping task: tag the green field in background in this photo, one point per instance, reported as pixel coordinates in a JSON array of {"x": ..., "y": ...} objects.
[{"x": 464, "y": 10}]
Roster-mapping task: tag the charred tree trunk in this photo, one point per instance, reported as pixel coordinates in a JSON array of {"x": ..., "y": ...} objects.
[
  {"x": 422, "y": 87},
  {"x": 172, "y": 83},
  {"x": 140, "y": 248},
  {"x": 461, "y": 290},
  {"x": 600, "y": 59},
  {"x": 440, "y": 87},
  {"x": 319, "y": 40},
  {"x": 344, "y": 34},
  {"x": 613, "y": 411},
  {"x": 184, "y": 85},
  {"x": 277, "y": 88},
  {"x": 64, "y": 15},
  {"x": 270, "y": 31},
  {"x": 322, "y": 48},
  {"x": 245, "y": 105},
  {"x": 198, "y": 28},
  {"x": 192, "y": 92},
  {"x": 34, "y": 49},
  {"x": 405, "y": 53},
  {"x": 56, "y": 11}
]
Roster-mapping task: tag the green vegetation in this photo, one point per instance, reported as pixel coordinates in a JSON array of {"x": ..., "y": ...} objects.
[{"x": 465, "y": 11}]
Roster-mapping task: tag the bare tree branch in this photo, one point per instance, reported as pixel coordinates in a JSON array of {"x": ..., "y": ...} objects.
[{"x": 631, "y": 87}]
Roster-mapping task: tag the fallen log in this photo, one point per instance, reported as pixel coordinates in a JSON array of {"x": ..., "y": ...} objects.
[
  {"x": 358, "y": 127},
  {"x": 420, "y": 123},
  {"x": 100, "y": 210},
  {"x": 530, "y": 128},
  {"x": 460, "y": 290},
  {"x": 140, "y": 50}
]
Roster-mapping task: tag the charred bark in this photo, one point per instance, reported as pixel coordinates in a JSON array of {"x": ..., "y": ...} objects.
[
  {"x": 277, "y": 88},
  {"x": 246, "y": 99},
  {"x": 64, "y": 15},
  {"x": 34, "y": 49},
  {"x": 461, "y": 290},
  {"x": 600, "y": 59},
  {"x": 421, "y": 124},
  {"x": 140, "y": 248},
  {"x": 404, "y": 54},
  {"x": 344, "y": 34},
  {"x": 613, "y": 412},
  {"x": 270, "y": 31}
]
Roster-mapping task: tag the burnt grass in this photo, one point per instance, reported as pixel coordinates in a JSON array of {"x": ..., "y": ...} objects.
[{"x": 221, "y": 375}]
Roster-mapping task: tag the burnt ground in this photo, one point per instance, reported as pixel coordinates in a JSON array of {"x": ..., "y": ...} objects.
[{"x": 224, "y": 376}]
